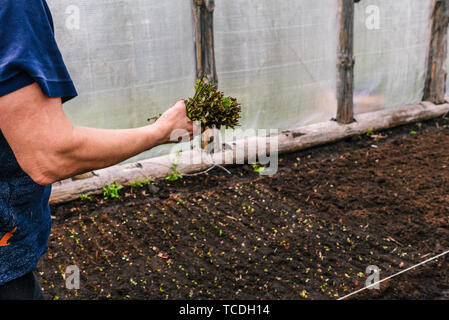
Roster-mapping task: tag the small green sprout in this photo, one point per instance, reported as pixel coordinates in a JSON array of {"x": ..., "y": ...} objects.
[
  {"x": 258, "y": 168},
  {"x": 176, "y": 175},
  {"x": 141, "y": 183},
  {"x": 84, "y": 197},
  {"x": 112, "y": 190}
]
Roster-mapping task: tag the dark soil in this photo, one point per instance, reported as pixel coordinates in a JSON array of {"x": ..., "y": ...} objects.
[{"x": 310, "y": 231}]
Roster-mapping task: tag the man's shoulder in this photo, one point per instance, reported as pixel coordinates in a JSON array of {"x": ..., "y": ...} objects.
[
  {"x": 13, "y": 3},
  {"x": 13, "y": 12},
  {"x": 20, "y": 4}
]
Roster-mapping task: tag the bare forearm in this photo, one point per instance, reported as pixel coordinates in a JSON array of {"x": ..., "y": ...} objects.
[{"x": 89, "y": 148}]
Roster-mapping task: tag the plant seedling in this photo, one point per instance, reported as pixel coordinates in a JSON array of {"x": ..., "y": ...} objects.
[
  {"x": 176, "y": 175},
  {"x": 258, "y": 168},
  {"x": 142, "y": 183},
  {"x": 84, "y": 196},
  {"x": 112, "y": 191},
  {"x": 210, "y": 107}
]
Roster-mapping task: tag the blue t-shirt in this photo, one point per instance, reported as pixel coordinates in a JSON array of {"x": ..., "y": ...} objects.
[{"x": 28, "y": 54}]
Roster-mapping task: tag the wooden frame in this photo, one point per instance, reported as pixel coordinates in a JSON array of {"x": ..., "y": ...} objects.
[
  {"x": 203, "y": 25},
  {"x": 435, "y": 83},
  {"x": 345, "y": 62}
]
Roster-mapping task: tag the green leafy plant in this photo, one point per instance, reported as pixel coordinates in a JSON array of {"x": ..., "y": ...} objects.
[
  {"x": 141, "y": 183},
  {"x": 210, "y": 107},
  {"x": 112, "y": 190},
  {"x": 84, "y": 196},
  {"x": 176, "y": 175},
  {"x": 258, "y": 168}
]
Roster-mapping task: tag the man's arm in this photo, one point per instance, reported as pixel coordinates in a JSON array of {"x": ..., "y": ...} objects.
[{"x": 49, "y": 148}]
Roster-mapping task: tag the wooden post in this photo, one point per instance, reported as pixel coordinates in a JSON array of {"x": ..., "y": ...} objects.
[
  {"x": 435, "y": 83},
  {"x": 345, "y": 62},
  {"x": 203, "y": 20}
]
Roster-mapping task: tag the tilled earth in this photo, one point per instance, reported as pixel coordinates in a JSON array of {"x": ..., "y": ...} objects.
[{"x": 308, "y": 232}]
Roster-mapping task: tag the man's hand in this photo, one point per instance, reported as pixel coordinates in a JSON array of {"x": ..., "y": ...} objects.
[{"x": 173, "y": 119}]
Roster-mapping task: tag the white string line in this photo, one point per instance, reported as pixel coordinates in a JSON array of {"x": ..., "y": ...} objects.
[
  {"x": 206, "y": 171},
  {"x": 394, "y": 275},
  {"x": 214, "y": 165}
]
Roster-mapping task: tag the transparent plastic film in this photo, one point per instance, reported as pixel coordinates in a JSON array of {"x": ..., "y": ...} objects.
[
  {"x": 390, "y": 47},
  {"x": 129, "y": 59}
]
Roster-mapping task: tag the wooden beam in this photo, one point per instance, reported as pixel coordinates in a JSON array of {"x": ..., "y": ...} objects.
[
  {"x": 345, "y": 62},
  {"x": 287, "y": 141},
  {"x": 435, "y": 83},
  {"x": 203, "y": 23}
]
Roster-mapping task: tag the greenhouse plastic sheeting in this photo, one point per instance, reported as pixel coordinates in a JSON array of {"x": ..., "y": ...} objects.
[
  {"x": 129, "y": 59},
  {"x": 278, "y": 58},
  {"x": 390, "y": 56}
]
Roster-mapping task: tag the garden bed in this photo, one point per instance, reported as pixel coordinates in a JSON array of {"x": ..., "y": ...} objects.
[{"x": 309, "y": 231}]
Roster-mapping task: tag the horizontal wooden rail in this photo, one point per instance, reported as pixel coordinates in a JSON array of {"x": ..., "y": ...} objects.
[{"x": 288, "y": 141}]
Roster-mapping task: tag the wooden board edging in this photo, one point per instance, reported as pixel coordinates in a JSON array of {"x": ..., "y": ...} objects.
[{"x": 287, "y": 140}]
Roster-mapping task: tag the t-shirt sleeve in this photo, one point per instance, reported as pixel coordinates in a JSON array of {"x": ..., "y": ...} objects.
[{"x": 28, "y": 50}]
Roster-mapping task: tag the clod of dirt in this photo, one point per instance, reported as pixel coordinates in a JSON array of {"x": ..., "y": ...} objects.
[{"x": 153, "y": 189}]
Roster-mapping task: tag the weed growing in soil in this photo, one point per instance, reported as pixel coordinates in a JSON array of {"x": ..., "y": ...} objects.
[
  {"x": 85, "y": 197},
  {"x": 176, "y": 175},
  {"x": 112, "y": 191},
  {"x": 142, "y": 183},
  {"x": 258, "y": 168}
]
